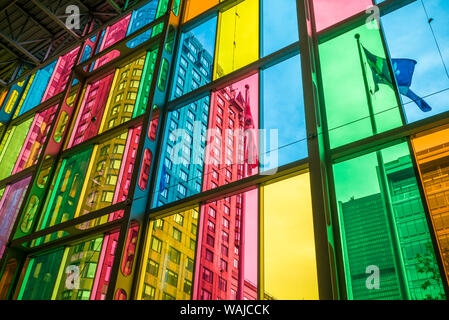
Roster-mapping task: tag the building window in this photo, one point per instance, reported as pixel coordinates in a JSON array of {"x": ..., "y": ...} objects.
[
  {"x": 174, "y": 255},
  {"x": 205, "y": 295},
  {"x": 156, "y": 245},
  {"x": 225, "y": 236},
  {"x": 149, "y": 292},
  {"x": 208, "y": 275},
  {"x": 210, "y": 240},
  {"x": 224, "y": 250},
  {"x": 177, "y": 234},
  {"x": 153, "y": 268},
  {"x": 211, "y": 226},
  {"x": 192, "y": 244},
  {"x": 166, "y": 296},
  {"x": 212, "y": 212},
  {"x": 179, "y": 219},
  {"x": 222, "y": 284},
  {"x": 188, "y": 287},
  {"x": 189, "y": 265},
  {"x": 171, "y": 278},
  {"x": 209, "y": 256},
  {"x": 225, "y": 223}
]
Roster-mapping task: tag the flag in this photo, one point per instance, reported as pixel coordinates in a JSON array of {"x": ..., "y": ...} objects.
[
  {"x": 403, "y": 70},
  {"x": 251, "y": 150}
]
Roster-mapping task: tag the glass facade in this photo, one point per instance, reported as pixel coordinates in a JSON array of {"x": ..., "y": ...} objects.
[{"x": 232, "y": 150}]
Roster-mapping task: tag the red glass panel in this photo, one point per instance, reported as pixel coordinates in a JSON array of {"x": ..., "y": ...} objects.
[
  {"x": 130, "y": 250},
  {"x": 146, "y": 168},
  {"x": 89, "y": 118},
  {"x": 232, "y": 143},
  {"x": 227, "y": 261}
]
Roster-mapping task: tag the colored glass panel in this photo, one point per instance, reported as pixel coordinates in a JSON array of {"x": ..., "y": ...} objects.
[
  {"x": 78, "y": 269},
  {"x": 279, "y": 25},
  {"x": 431, "y": 151},
  {"x": 383, "y": 228},
  {"x": 181, "y": 164},
  {"x": 289, "y": 259},
  {"x": 328, "y": 13},
  {"x": 196, "y": 7},
  {"x": 7, "y": 278},
  {"x": 195, "y": 60},
  {"x": 89, "y": 117},
  {"x": 168, "y": 268},
  {"x": 122, "y": 99},
  {"x": 37, "y": 135},
  {"x": 427, "y": 44},
  {"x": 284, "y": 139},
  {"x": 139, "y": 19},
  {"x": 9, "y": 208},
  {"x": 237, "y": 45},
  {"x": 11, "y": 145},
  {"x": 232, "y": 144},
  {"x": 66, "y": 190},
  {"x": 40, "y": 276},
  {"x": 145, "y": 83},
  {"x": 227, "y": 262},
  {"x": 354, "y": 111}
]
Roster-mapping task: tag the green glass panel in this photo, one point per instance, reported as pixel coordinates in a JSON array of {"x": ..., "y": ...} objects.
[
  {"x": 10, "y": 147},
  {"x": 67, "y": 189},
  {"x": 145, "y": 83},
  {"x": 346, "y": 100},
  {"x": 384, "y": 229},
  {"x": 41, "y": 276}
]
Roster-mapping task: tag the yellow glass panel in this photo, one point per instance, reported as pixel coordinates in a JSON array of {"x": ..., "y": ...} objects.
[
  {"x": 238, "y": 38},
  {"x": 168, "y": 264},
  {"x": 288, "y": 241},
  {"x": 196, "y": 7}
]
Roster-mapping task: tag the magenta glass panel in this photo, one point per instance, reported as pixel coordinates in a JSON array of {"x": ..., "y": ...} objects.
[
  {"x": 113, "y": 34},
  {"x": 227, "y": 263},
  {"x": 329, "y": 12},
  {"x": 61, "y": 74},
  {"x": 9, "y": 207},
  {"x": 232, "y": 141},
  {"x": 105, "y": 263},
  {"x": 35, "y": 139},
  {"x": 91, "y": 112}
]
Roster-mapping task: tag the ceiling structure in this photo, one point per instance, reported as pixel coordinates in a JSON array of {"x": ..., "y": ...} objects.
[{"x": 34, "y": 31}]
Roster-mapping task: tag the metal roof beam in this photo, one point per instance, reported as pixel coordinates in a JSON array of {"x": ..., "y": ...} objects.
[
  {"x": 56, "y": 19},
  {"x": 34, "y": 20},
  {"x": 16, "y": 45}
]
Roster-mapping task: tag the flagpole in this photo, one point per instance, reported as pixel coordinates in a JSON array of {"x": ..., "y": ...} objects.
[{"x": 367, "y": 89}]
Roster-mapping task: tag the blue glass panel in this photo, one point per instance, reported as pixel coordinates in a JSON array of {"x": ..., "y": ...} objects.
[
  {"x": 283, "y": 114},
  {"x": 139, "y": 19},
  {"x": 181, "y": 164},
  {"x": 195, "y": 60}
]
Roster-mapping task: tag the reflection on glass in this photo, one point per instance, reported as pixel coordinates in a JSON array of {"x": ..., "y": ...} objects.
[
  {"x": 195, "y": 61},
  {"x": 431, "y": 150},
  {"x": 169, "y": 258},
  {"x": 384, "y": 228},
  {"x": 227, "y": 263},
  {"x": 426, "y": 45},
  {"x": 232, "y": 144},
  {"x": 181, "y": 163}
]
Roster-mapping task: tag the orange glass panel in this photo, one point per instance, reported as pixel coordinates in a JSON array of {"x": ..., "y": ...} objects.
[{"x": 196, "y": 7}]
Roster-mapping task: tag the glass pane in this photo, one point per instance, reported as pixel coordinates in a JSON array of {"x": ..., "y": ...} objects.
[
  {"x": 232, "y": 146},
  {"x": 140, "y": 18},
  {"x": 280, "y": 25},
  {"x": 9, "y": 208},
  {"x": 11, "y": 145},
  {"x": 237, "y": 44},
  {"x": 91, "y": 111},
  {"x": 77, "y": 275},
  {"x": 288, "y": 241},
  {"x": 329, "y": 12},
  {"x": 433, "y": 162},
  {"x": 284, "y": 139},
  {"x": 196, "y": 7},
  {"x": 181, "y": 164},
  {"x": 420, "y": 56},
  {"x": 123, "y": 95},
  {"x": 194, "y": 67},
  {"x": 387, "y": 248},
  {"x": 353, "y": 110},
  {"x": 227, "y": 262},
  {"x": 169, "y": 255},
  {"x": 40, "y": 276}
]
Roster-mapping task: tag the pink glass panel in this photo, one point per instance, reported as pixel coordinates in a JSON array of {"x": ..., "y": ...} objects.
[
  {"x": 113, "y": 34},
  {"x": 9, "y": 207},
  {"x": 329, "y": 12},
  {"x": 130, "y": 249},
  {"x": 232, "y": 143},
  {"x": 35, "y": 139},
  {"x": 227, "y": 262},
  {"x": 105, "y": 263},
  {"x": 92, "y": 108},
  {"x": 61, "y": 74}
]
